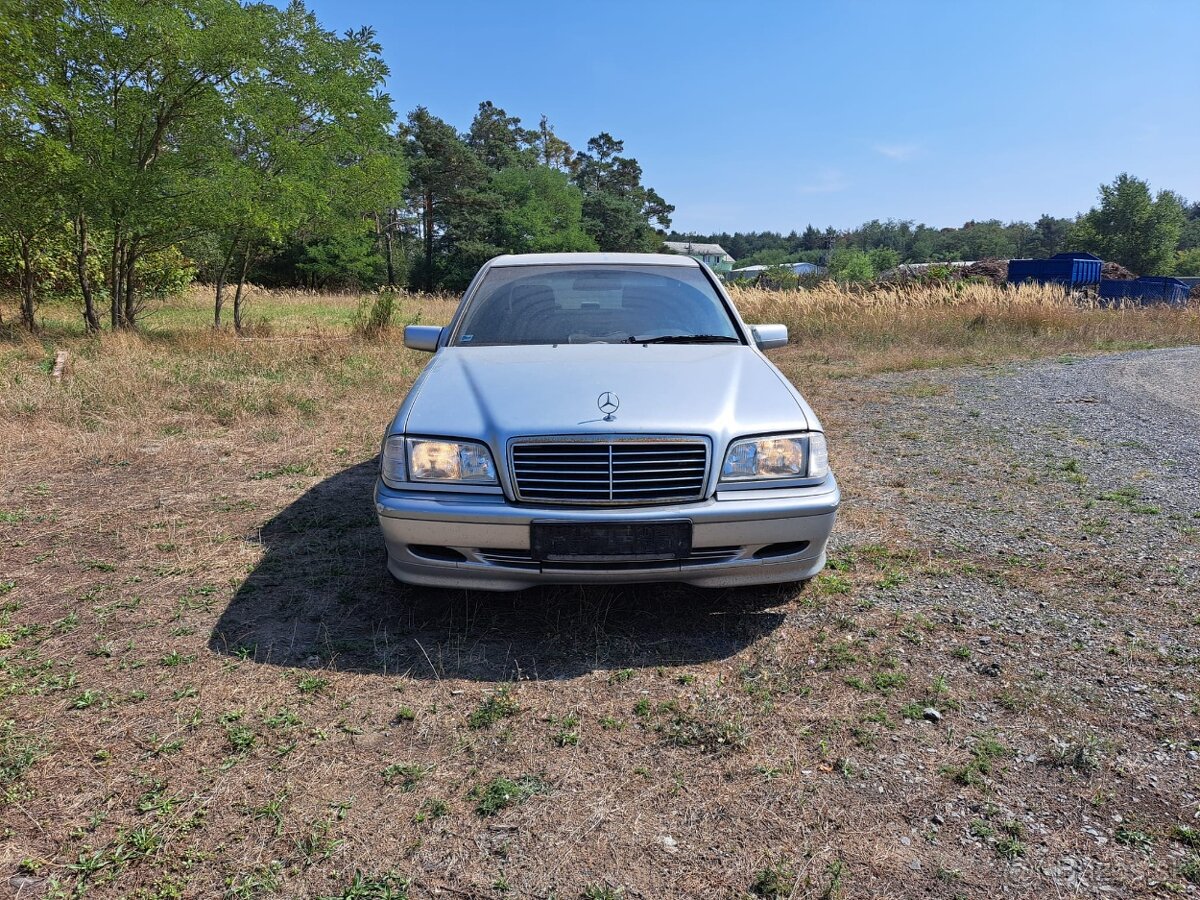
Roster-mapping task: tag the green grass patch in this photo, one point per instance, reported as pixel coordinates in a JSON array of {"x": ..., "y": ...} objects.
[
  {"x": 500, "y": 793},
  {"x": 497, "y": 706}
]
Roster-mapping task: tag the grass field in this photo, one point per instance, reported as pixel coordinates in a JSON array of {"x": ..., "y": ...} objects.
[{"x": 211, "y": 688}]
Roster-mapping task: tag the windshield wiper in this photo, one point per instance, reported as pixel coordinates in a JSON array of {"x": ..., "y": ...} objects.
[{"x": 684, "y": 339}]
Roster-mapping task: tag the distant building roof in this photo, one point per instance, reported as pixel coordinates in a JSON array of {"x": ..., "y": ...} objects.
[{"x": 687, "y": 248}]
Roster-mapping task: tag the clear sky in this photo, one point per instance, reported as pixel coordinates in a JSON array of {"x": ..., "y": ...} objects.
[{"x": 772, "y": 115}]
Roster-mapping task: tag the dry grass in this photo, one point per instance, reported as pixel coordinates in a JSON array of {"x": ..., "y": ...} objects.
[
  {"x": 211, "y": 688},
  {"x": 841, "y": 331}
]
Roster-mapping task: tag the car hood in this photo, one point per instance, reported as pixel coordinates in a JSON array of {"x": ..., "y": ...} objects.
[{"x": 498, "y": 393}]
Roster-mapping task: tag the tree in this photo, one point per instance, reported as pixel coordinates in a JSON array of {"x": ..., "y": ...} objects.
[
  {"x": 775, "y": 256},
  {"x": 33, "y": 242},
  {"x": 883, "y": 259},
  {"x": 850, "y": 265},
  {"x": 498, "y": 188},
  {"x": 811, "y": 239},
  {"x": 217, "y": 125},
  {"x": 620, "y": 213},
  {"x": 552, "y": 151},
  {"x": 1187, "y": 262},
  {"x": 445, "y": 184},
  {"x": 1132, "y": 227},
  {"x": 305, "y": 147},
  {"x": 498, "y": 138},
  {"x": 1190, "y": 237},
  {"x": 1050, "y": 236},
  {"x": 542, "y": 212},
  {"x": 134, "y": 92}
]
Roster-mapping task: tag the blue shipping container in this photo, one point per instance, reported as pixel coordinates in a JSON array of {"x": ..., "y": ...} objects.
[
  {"x": 1070, "y": 269},
  {"x": 1147, "y": 289}
]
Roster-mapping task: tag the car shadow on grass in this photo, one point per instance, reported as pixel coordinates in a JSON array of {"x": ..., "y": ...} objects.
[{"x": 322, "y": 596}]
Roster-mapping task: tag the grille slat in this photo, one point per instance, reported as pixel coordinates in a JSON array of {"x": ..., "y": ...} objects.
[
  {"x": 556, "y": 473},
  {"x": 610, "y": 470},
  {"x": 520, "y": 559}
]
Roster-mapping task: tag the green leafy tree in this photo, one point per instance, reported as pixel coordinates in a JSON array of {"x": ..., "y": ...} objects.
[
  {"x": 498, "y": 188},
  {"x": 306, "y": 150},
  {"x": 34, "y": 247},
  {"x": 134, "y": 92},
  {"x": 1050, "y": 236},
  {"x": 446, "y": 190},
  {"x": 499, "y": 140},
  {"x": 1187, "y": 262},
  {"x": 778, "y": 277},
  {"x": 552, "y": 151},
  {"x": 851, "y": 265},
  {"x": 1132, "y": 226},
  {"x": 882, "y": 259},
  {"x": 541, "y": 212},
  {"x": 1189, "y": 237},
  {"x": 620, "y": 213}
]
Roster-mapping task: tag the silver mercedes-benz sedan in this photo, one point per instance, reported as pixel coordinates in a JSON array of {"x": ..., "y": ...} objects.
[{"x": 602, "y": 417}]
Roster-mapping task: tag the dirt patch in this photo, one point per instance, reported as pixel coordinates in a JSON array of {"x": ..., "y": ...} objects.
[{"x": 994, "y": 270}]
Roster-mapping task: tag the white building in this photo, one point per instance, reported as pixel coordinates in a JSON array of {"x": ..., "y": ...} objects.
[{"x": 712, "y": 255}]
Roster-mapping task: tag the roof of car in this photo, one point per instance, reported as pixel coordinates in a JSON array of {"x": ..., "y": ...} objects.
[{"x": 592, "y": 259}]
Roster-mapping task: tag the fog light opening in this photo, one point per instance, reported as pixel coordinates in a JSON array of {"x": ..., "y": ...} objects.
[
  {"x": 437, "y": 554},
  {"x": 773, "y": 551}
]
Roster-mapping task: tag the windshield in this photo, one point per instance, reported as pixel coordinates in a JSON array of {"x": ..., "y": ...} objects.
[{"x": 587, "y": 304}]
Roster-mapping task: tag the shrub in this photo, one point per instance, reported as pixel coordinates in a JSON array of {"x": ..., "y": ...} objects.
[{"x": 374, "y": 315}]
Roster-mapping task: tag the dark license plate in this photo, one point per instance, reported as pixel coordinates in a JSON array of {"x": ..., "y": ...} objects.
[{"x": 625, "y": 542}]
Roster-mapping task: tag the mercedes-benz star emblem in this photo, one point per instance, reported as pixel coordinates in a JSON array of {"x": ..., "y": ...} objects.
[{"x": 609, "y": 403}]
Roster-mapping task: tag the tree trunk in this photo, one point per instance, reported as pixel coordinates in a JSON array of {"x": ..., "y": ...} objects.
[
  {"x": 241, "y": 282},
  {"x": 384, "y": 233},
  {"x": 90, "y": 319},
  {"x": 115, "y": 271},
  {"x": 219, "y": 298},
  {"x": 27, "y": 308},
  {"x": 130, "y": 314},
  {"x": 428, "y": 241}
]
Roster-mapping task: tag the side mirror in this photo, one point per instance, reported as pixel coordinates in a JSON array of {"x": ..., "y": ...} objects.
[
  {"x": 769, "y": 336},
  {"x": 422, "y": 337}
]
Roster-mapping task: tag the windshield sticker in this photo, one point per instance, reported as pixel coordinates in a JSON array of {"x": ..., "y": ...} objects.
[{"x": 467, "y": 338}]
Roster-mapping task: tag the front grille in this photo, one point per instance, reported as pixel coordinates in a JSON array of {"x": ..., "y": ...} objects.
[{"x": 610, "y": 470}]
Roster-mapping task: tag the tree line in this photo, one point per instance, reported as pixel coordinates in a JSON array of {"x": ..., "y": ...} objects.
[
  {"x": 1146, "y": 232},
  {"x": 145, "y": 143}
]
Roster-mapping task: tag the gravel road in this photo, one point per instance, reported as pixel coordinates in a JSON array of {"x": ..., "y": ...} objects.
[
  {"x": 1150, "y": 398},
  {"x": 1056, "y": 509}
]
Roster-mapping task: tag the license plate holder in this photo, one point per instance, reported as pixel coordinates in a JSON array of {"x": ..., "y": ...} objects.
[{"x": 610, "y": 541}]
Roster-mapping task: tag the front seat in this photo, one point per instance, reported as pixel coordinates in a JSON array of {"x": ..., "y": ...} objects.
[{"x": 532, "y": 309}]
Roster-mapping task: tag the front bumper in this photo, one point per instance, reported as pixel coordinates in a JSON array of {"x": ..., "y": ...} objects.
[{"x": 481, "y": 541}]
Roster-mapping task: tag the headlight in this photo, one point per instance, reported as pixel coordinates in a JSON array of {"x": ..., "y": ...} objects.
[
  {"x": 783, "y": 456},
  {"x": 450, "y": 461},
  {"x": 420, "y": 459}
]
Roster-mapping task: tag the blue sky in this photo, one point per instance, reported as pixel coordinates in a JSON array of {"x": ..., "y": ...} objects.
[{"x": 772, "y": 115}]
